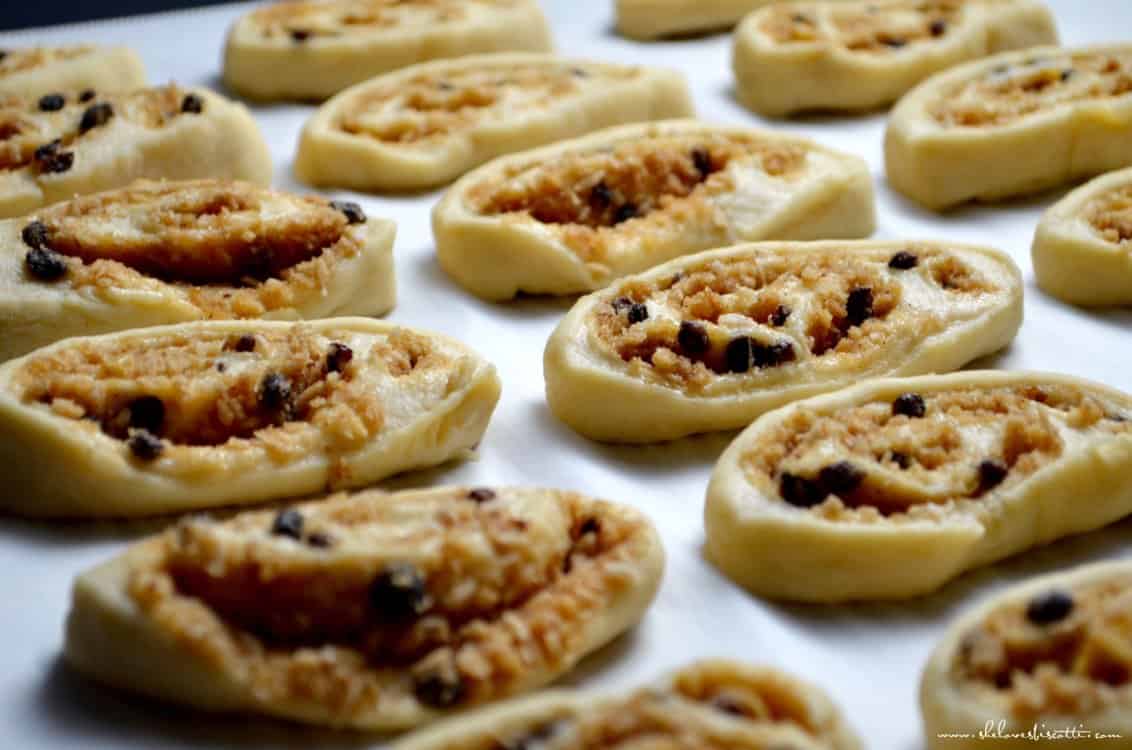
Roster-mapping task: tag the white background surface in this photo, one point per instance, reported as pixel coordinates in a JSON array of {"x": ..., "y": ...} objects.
[{"x": 868, "y": 656}]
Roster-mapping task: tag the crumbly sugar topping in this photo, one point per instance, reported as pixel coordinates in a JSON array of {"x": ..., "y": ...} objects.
[
  {"x": 1110, "y": 215},
  {"x": 303, "y": 21},
  {"x": 871, "y": 29}
]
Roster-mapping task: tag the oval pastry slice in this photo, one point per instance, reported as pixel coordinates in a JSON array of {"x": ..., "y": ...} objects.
[
  {"x": 1012, "y": 124},
  {"x": 198, "y": 415},
  {"x": 892, "y": 488},
  {"x": 835, "y": 55},
  {"x": 373, "y": 611},
  {"x": 711, "y": 341},
  {"x": 429, "y": 124},
  {"x": 1083, "y": 247},
  {"x": 574, "y": 216},
  {"x": 1054, "y": 652},
  {"x": 169, "y": 252},
  {"x": 710, "y": 705},
  {"x": 51, "y": 75},
  {"x": 312, "y": 49},
  {"x": 107, "y": 141}
]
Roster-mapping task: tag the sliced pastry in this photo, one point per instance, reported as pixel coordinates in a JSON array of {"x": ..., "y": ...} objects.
[
  {"x": 1083, "y": 247},
  {"x": 891, "y": 488},
  {"x": 1054, "y": 653},
  {"x": 428, "y": 124},
  {"x": 709, "y": 705},
  {"x": 574, "y": 216},
  {"x": 198, "y": 415},
  {"x": 653, "y": 19},
  {"x": 1012, "y": 124},
  {"x": 51, "y": 75},
  {"x": 312, "y": 49},
  {"x": 369, "y": 611},
  {"x": 170, "y": 252},
  {"x": 107, "y": 141},
  {"x": 712, "y": 341},
  {"x": 864, "y": 54}
]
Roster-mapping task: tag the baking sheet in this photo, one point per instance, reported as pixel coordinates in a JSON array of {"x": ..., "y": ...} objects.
[{"x": 867, "y": 656}]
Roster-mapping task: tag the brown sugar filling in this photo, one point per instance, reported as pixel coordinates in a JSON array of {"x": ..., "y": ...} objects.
[
  {"x": 833, "y": 304},
  {"x": 920, "y": 451},
  {"x": 429, "y": 107},
  {"x": 209, "y": 390},
  {"x": 490, "y": 594},
  {"x": 302, "y": 20},
  {"x": 1061, "y": 663},
  {"x": 1010, "y": 92},
  {"x": 1111, "y": 215},
  {"x": 872, "y": 30},
  {"x": 20, "y": 60}
]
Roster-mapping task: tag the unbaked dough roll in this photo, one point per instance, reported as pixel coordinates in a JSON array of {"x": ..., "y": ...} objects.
[
  {"x": 651, "y": 19},
  {"x": 51, "y": 75}
]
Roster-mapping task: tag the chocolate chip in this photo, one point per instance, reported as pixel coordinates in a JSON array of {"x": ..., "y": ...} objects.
[
  {"x": 801, "y": 492},
  {"x": 625, "y": 212},
  {"x": 701, "y": 159},
  {"x": 45, "y": 265},
  {"x": 780, "y": 315},
  {"x": 638, "y": 313},
  {"x": 275, "y": 391},
  {"x": 621, "y": 303},
  {"x": 991, "y": 474},
  {"x": 901, "y": 459},
  {"x": 535, "y": 739},
  {"x": 579, "y": 73},
  {"x": 1049, "y": 608},
  {"x": 894, "y": 41},
  {"x": 739, "y": 353},
  {"x": 35, "y": 235},
  {"x": 729, "y": 705},
  {"x": 147, "y": 413},
  {"x": 910, "y": 405},
  {"x": 145, "y": 445},
  {"x": 52, "y": 102},
  {"x": 938, "y": 27},
  {"x": 799, "y": 18},
  {"x": 288, "y": 523},
  {"x": 338, "y": 357},
  {"x": 772, "y": 355},
  {"x": 859, "y": 305},
  {"x": 320, "y": 540},
  {"x": 841, "y": 478},
  {"x": 300, "y": 35},
  {"x": 95, "y": 116},
  {"x": 481, "y": 494},
  {"x": 192, "y": 104},
  {"x": 589, "y": 526},
  {"x": 352, "y": 211},
  {"x": 245, "y": 343},
  {"x": 439, "y": 688},
  {"x": 53, "y": 161},
  {"x": 693, "y": 338},
  {"x": 1066, "y": 74},
  {"x": 398, "y": 593},
  {"x": 903, "y": 260},
  {"x": 87, "y": 95},
  {"x": 600, "y": 195}
]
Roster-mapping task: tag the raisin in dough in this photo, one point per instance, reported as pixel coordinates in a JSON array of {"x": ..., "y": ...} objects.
[
  {"x": 1083, "y": 246},
  {"x": 574, "y": 216},
  {"x": 709, "y": 705},
  {"x": 314, "y": 49},
  {"x": 371, "y": 611},
  {"x": 170, "y": 252},
  {"x": 1012, "y": 124},
  {"x": 794, "y": 57},
  {"x": 35, "y": 72},
  {"x": 1055, "y": 652},
  {"x": 110, "y": 140},
  {"x": 891, "y": 488},
  {"x": 429, "y": 124},
  {"x": 711, "y": 341},
  {"x": 198, "y": 415}
]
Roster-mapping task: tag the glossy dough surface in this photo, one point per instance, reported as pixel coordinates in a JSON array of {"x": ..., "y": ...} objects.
[
  {"x": 32, "y": 72},
  {"x": 1055, "y": 651},
  {"x": 712, "y": 341},
  {"x": 199, "y": 415},
  {"x": 429, "y": 124},
  {"x": 1012, "y": 124},
  {"x": 1083, "y": 246},
  {"x": 891, "y": 488},
  {"x": 312, "y": 49},
  {"x": 373, "y": 611},
  {"x": 574, "y": 216},
  {"x": 709, "y": 705},
  {"x": 833, "y": 55},
  {"x": 110, "y": 140},
  {"x": 170, "y": 252}
]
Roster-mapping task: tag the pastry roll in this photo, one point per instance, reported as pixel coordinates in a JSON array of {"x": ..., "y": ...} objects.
[{"x": 51, "y": 75}]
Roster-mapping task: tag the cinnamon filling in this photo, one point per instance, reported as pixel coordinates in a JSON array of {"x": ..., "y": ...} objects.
[{"x": 1110, "y": 215}]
